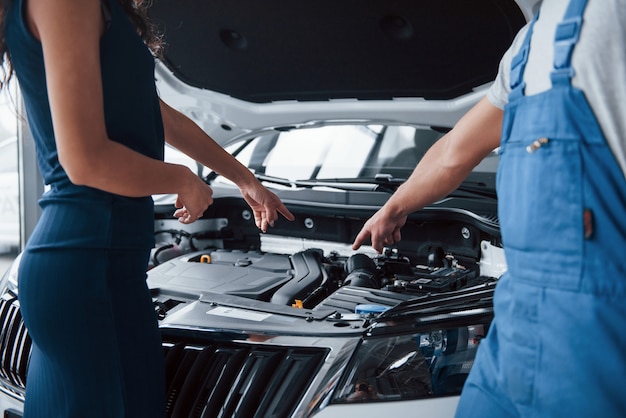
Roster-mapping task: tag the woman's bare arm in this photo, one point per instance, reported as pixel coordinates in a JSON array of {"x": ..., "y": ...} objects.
[
  {"x": 183, "y": 134},
  {"x": 70, "y": 33}
]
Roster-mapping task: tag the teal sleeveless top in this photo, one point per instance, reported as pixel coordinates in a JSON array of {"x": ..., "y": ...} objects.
[{"x": 78, "y": 216}]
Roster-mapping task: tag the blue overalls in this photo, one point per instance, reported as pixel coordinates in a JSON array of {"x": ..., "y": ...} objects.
[{"x": 557, "y": 346}]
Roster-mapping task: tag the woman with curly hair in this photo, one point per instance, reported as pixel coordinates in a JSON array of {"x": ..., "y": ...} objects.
[{"x": 86, "y": 73}]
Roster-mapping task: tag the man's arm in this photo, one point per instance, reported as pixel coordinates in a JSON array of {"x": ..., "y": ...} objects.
[{"x": 446, "y": 164}]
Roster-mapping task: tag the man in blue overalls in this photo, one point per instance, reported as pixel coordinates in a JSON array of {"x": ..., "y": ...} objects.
[{"x": 557, "y": 346}]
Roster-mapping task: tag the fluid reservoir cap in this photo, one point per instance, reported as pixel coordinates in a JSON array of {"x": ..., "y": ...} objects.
[
  {"x": 243, "y": 262},
  {"x": 367, "y": 309}
]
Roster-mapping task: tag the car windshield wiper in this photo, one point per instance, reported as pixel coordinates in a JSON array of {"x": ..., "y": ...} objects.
[
  {"x": 276, "y": 180},
  {"x": 380, "y": 183},
  {"x": 389, "y": 184},
  {"x": 360, "y": 184},
  {"x": 333, "y": 183}
]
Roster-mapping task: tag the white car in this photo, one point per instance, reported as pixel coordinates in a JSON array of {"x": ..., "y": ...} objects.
[{"x": 330, "y": 103}]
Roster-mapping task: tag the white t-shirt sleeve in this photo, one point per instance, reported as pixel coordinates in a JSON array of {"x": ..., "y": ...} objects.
[{"x": 498, "y": 93}]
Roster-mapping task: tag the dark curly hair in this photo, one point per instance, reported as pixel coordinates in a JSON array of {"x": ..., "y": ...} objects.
[{"x": 137, "y": 11}]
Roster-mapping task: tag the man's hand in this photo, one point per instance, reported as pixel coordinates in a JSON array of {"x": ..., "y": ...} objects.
[{"x": 382, "y": 229}]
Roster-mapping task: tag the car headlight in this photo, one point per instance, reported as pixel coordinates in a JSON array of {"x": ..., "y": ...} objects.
[{"x": 413, "y": 366}]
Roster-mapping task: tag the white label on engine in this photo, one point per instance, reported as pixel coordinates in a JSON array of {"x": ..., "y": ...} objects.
[{"x": 238, "y": 313}]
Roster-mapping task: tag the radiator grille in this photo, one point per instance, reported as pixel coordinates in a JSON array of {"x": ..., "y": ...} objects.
[
  {"x": 238, "y": 380},
  {"x": 204, "y": 380},
  {"x": 15, "y": 346}
]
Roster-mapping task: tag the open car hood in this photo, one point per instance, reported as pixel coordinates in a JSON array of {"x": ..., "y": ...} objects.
[{"x": 241, "y": 66}]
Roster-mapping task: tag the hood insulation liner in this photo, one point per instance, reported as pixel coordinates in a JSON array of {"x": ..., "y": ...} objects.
[{"x": 264, "y": 51}]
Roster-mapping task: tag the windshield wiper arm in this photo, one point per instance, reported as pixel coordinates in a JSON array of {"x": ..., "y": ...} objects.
[
  {"x": 341, "y": 184},
  {"x": 273, "y": 179},
  {"x": 387, "y": 183},
  {"x": 379, "y": 183}
]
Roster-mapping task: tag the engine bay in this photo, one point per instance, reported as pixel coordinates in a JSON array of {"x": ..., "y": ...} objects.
[{"x": 315, "y": 277}]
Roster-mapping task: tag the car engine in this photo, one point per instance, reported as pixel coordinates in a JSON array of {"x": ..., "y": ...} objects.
[{"x": 313, "y": 278}]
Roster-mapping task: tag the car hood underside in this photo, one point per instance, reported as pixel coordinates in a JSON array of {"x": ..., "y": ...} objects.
[{"x": 330, "y": 49}]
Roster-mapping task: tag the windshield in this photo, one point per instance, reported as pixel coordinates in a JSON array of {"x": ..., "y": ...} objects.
[{"x": 345, "y": 151}]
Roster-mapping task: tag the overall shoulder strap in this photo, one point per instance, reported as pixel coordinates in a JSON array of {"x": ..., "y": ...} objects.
[
  {"x": 566, "y": 37},
  {"x": 518, "y": 63}
]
